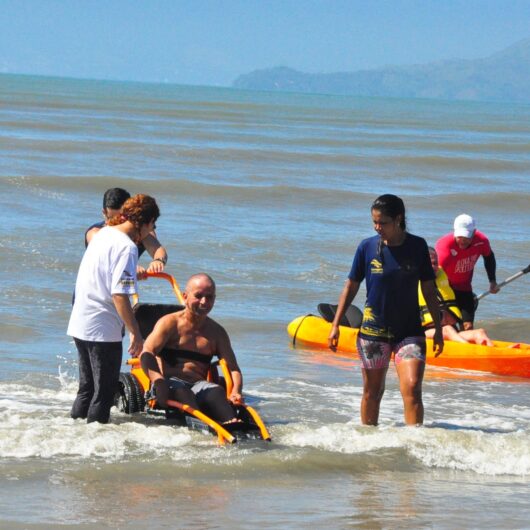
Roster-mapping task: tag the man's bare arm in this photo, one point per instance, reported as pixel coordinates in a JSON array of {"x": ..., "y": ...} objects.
[
  {"x": 157, "y": 252},
  {"x": 225, "y": 351},
  {"x": 154, "y": 343}
]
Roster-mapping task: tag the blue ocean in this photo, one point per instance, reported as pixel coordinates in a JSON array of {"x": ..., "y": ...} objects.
[{"x": 270, "y": 193}]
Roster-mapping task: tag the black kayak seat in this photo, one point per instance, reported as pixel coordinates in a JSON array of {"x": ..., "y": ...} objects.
[{"x": 352, "y": 318}]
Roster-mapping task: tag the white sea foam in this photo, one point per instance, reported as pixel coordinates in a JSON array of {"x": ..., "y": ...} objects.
[
  {"x": 47, "y": 436},
  {"x": 480, "y": 451},
  {"x": 35, "y": 423},
  {"x": 489, "y": 439}
]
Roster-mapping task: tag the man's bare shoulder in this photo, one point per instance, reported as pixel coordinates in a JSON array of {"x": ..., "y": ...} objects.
[
  {"x": 91, "y": 233},
  {"x": 214, "y": 327},
  {"x": 169, "y": 321}
]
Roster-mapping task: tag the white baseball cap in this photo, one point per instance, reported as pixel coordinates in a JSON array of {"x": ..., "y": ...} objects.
[{"x": 464, "y": 226}]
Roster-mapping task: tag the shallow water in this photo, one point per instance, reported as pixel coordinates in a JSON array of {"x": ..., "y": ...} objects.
[{"x": 269, "y": 193}]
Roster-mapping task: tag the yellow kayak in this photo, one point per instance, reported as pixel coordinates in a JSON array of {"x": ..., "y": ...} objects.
[{"x": 503, "y": 358}]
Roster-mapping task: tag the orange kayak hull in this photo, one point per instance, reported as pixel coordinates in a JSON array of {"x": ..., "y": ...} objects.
[{"x": 503, "y": 358}]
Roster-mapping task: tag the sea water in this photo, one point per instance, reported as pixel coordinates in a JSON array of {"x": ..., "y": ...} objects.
[{"x": 269, "y": 193}]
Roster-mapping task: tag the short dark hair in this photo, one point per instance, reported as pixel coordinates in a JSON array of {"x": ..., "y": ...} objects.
[
  {"x": 391, "y": 206},
  {"x": 115, "y": 197}
]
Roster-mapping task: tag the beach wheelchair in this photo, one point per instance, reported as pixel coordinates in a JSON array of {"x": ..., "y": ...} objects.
[{"x": 134, "y": 393}]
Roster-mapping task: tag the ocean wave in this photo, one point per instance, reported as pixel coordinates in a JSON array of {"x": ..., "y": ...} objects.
[
  {"x": 178, "y": 189},
  {"x": 458, "y": 164},
  {"x": 310, "y": 423},
  {"x": 497, "y": 201},
  {"x": 475, "y": 450}
]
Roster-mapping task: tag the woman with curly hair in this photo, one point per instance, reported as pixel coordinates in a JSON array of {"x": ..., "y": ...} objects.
[
  {"x": 106, "y": 279},
  {"x": 113, "y": 201}
]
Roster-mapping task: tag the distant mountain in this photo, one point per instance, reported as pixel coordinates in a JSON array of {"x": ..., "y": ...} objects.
[{"x": 504, "y": 76}]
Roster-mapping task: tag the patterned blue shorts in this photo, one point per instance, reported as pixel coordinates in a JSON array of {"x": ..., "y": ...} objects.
[{"x": 376, "y": 354}]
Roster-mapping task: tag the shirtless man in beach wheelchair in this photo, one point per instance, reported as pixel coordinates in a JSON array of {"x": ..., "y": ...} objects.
[
  {"x": 178, "y": 353},
  {"x": 177, "y": 360}
]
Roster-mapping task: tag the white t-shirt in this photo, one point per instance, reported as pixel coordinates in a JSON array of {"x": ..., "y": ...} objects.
[{"x": 108, "y": 267}]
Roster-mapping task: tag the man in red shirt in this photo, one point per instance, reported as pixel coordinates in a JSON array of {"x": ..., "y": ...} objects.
[{"x": 458, "y": 253}]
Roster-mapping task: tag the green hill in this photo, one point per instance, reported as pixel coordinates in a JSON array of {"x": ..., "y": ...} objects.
[{"x": 504, "y": 76}]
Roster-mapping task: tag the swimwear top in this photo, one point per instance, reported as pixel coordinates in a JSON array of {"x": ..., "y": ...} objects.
[{"x": 171, "y": 356}]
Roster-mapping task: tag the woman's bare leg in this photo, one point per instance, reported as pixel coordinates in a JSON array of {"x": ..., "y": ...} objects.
[
  {"x": 410, "y": 373},
  {"x": 373, "y": 390}
]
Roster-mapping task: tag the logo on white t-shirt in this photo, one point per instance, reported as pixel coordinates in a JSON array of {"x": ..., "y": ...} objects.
[{"x": 127, "y": 279}]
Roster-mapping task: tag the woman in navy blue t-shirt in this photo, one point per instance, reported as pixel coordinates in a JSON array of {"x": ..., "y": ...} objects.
[{"x": 392, "y": 263}]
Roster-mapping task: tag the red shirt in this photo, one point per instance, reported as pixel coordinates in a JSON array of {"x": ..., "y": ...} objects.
[{"x": 459, "y": 263}]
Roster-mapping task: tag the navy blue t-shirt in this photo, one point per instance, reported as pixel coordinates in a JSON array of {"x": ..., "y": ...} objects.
[{"x": 391, "y": 311}]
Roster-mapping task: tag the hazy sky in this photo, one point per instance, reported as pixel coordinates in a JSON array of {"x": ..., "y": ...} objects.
[{"x": 212, "y": 42}]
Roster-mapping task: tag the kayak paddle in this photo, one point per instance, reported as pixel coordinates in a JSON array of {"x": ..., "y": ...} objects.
[{"x": 502, "y": 284}]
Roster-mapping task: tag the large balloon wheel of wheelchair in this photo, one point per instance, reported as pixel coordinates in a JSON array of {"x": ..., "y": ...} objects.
[{"x": 129, "y": 396}]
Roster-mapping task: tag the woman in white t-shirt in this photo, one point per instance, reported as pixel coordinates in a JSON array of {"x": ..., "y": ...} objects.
[{"x": 106, "y": 279}]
